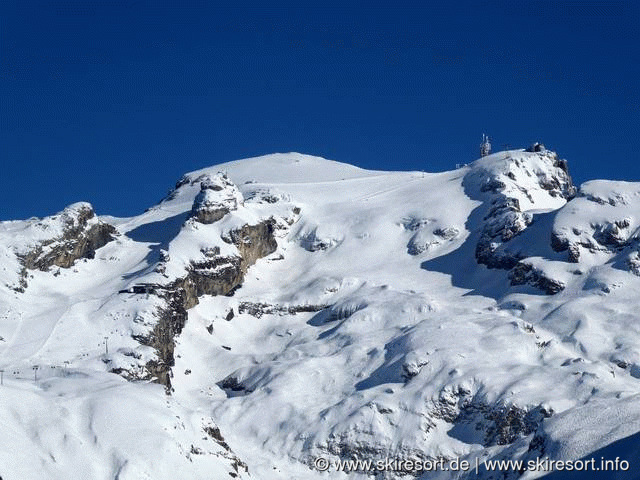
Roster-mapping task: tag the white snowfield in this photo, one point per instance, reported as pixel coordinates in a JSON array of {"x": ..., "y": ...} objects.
[{"x": 372, "y": 332}]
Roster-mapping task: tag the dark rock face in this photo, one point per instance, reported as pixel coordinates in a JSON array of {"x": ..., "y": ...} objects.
[
  {"x": 558, "y": 242},
  {"x": 253, "y": 241},
  {"x": 505, "y": 423},
  {"x": 495, "y": 424},
  {"x": 492, "y": 185},
  {"x": 504, "y": 221},
  {"x": 536, "y": 147},
  {"x": 218, "y": 196},
  {"x": 220, "y": 275},
  {"x": 217, "y": 275},
  {"x": 65, "y": 251},
  {"x": 232, "y": 384},
  {"x": 524, "y": 273},
  {"x": 208, "y": 215},
  {"x": 259, "y": 309},
  {"x": 172, "y": 320},
  {"x": 79, "y": 240},
  {"x": 312, "y": 242},
  {"x": 447, "y": 233},
  {"x": 414, "y": 248}
]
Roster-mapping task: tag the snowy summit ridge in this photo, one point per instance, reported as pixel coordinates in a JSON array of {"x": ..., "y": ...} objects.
[{"x": 284, "y": 308}]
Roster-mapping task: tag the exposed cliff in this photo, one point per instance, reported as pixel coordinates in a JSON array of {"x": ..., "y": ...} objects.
[
  {"x": 209, "y": 273},
  {"x": 80, "y": 236}
]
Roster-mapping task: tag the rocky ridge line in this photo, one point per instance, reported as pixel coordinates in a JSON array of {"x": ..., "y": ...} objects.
[{"x": 82, "y": 233}]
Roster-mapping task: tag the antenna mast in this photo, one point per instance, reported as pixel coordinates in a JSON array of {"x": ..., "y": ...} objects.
[{"x": 485, "y": 146}]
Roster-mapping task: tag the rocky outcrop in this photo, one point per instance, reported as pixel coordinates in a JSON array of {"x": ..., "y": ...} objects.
[
  {"x": 495, "y": 424},
  {"x": 253, "y": 241},
  {"x": 218, "y": 196},
  {"x": 607, "y": 237},
  {"x": 171, "y": 320},
  {"x": 221, "y": 275},
  {"x": 536, "y": 147},
  {"x": 504, "y": 183},
  {"x": 524, "y": 273},
  {"x": 512, "y": 184},
  {"x": 633, "y": 263},
  {"x": 266, "y": 195},
  {"x": 412, "y": 365},
  {"x": 504, "y": 221},
  {"x": 215, "y": 275},
  {"x": 613, "y": 235},
  {"x": 82, "y": 234},
  {"x": 601, "y": 222},
  {"x": 315, "y": 241},
  {"x": 259, "y": 309},
  {"x": 423, "y": 240},
  {"x": 470, "y": 419},
  {"x": 213, "y": 432}
]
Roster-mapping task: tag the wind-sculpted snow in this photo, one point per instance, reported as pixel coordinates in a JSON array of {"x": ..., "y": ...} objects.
[
  {"x": 82, "y": 424},
  {"x": 274, "y": 310}
]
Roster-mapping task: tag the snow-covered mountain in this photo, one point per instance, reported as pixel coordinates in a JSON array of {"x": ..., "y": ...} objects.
[{"x": 280, "y": 309}]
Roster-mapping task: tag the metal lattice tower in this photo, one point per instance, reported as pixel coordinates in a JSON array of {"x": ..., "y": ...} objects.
[{"x": 485, "y": 146}]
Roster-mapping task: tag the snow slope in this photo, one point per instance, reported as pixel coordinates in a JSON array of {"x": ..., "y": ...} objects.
[{"x": 486, "y": 312}]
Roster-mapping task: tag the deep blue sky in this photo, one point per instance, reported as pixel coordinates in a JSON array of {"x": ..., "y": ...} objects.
[{"x": 112, "y": 101}]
